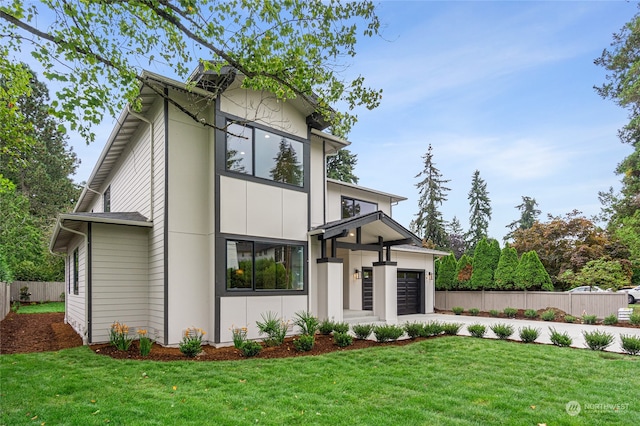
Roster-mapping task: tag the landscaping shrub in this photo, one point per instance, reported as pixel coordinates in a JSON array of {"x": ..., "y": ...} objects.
[
  {"x": 342, "y": 339},
  {"x": 250, "y": 348},
  {"x": 529, "y": 334},
  {"x": 340, "y": 327},
  {"x": 610, "y": 319},
  {"x": 239, "y": 336},
  {"x": 362, "y": 331},
  {"x": 119, "y": 336},
  {"x": 191, "y": 344},
  {"x": 630, "y": 344},
  {"x": 531, "y": 313},
  {"x": 304, "y": 342},
  {"x": 589, "y": 319},
  {"x": 432, "y": 328},
  {"x": 510, "y": 312},
  {"x": 414, "y": 329},
  {"x": 144, "y": 342},
  {"x": 477, "y": 330},
  {"x": 274, "y": 328},
  {"x": 569, "y": 318},
  {"x": 597, "y": 340},
  {"x": 387, "y": 333},
  {"x": 25, "y": 296},
  {"x": 634, "y": 319},
  {"x": 307, "y": 323},
  {"x": 451, "y": 328},
  {"x": 548, "y": 315},
  {"x": 457, "y": 310},
  {"x": 559, "y": 339},
  {"x": 503, "y": 331},
  {"x": 494, "y": 313},
  {"x": 474, "y": 311},
  {"x": 326, "y": 327}
]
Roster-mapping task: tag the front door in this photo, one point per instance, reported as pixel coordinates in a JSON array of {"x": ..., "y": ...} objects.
[{"x": 367, "y": 289}]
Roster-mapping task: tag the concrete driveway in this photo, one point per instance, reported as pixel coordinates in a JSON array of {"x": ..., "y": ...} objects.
[{"x": 574, "y": 330}]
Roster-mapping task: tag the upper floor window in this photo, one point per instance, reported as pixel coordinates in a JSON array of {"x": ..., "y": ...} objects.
[
  {"x": 106, "y": 200},
  {"x": 264, "y": 154},
  {"x": 353, "y": 207}
]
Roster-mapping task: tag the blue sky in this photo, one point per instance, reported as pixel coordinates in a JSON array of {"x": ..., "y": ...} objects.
[{"x": 502, "y": 87}]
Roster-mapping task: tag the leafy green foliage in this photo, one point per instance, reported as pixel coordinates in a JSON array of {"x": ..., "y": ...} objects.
[
  {"x": 191, "y": 343},
  {"x": 307, "y": 323},
  {"x": 341, "y": 166},
  {"x": 570, "y": 319},
  {"x": 432, "y": 328},
  {"x": 457, "y": 310},
  {"x": 502, "y": 331},
  {"x": 119, "y": 336},
  {"x": 485, "y": 261},
  {"x": 602, "y": 273},
  {"x": 295, "y": 50},
  {"x": 610, "y": 319},
  {"x": 445, "y": 278},
  {"x": 630, "y": 344},
  {"x": 597, "y": 340},
  {"x": 634, "y": 318},
  {"x": 340, "y": 327},
  {"x": 273, "y": 327},
  {"x": 531, "y": 313},
  {"x": 505, "y": 274},
  {"x": 510, "y": 312},
  {"x": 304, "y": 342},
  {"x": 548, "y": 315},
  {"x": 559, "y": 339},
  {"x": 474, "y": 311},
  {"x": 530, "y": 274},
  {"x": 479, "y": 211},
  {"x": 589, "y": 319},
  {"x": 362, "y": 331},
  {"x": 464, "y": 270},
  {"x": 413, "y": 329},
  {"x": 326, "y": 327},
  {"x": 250, "y": 348},
  {"x": 432, "y": 191},
  {"x": 451, "y": 328},
  {"x": 529, "y": 334},
  {"x": 387, "y": 332},
  {"x": 477, "y": 330},
  {"x": 342, "y": 339},
  {"x": 494, "y": 312}
]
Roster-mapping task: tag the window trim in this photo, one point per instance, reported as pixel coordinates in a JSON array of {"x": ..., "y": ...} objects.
[
  {"x": 76, "y": 271},
  {"x": 106, "y": 200},
  {"x": 262, "y": 291},
  {"x": 353, "y": 199}
]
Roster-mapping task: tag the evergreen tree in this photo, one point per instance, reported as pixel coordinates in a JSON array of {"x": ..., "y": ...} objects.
[
  {"x": 464, "y": 270},
  {"x": 287, "y": 169},
  {"x": 504, "y": 276},
  {"x": 341, "y": 166},
  {"x": 485, "y": 261},
  {"x": 531, "y": 275},
  {"x": 480, "y": 211},
  {"x": 528, "y": 216},
  {"x": 456, "y": 237},
  {"x": 428, "y": 222},
  {"x": 445, "y": 279}
]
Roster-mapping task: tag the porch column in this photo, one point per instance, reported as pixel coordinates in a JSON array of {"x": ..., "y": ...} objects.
[
  {"x": 330, "y": 293},
  {"x": 385, "y": 291}
]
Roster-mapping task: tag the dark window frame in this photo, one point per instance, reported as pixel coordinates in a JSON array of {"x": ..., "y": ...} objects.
[
  {"x": 76, "y": 272},
  {"x": 253, "y": 289},
  {"x": 353, "y": 204},
  {"x": 106, "y": 200}
]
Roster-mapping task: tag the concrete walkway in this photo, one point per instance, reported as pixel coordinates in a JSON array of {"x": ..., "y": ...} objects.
[{"x": 573, "y": 330}]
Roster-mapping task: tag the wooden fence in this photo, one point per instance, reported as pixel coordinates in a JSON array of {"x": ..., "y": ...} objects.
[
  {"x": 600, "y": 304},
  {"x": 40, "y": 291}
]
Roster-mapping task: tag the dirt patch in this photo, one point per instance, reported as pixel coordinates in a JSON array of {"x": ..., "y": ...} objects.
[{"x": 25, "y": 333}]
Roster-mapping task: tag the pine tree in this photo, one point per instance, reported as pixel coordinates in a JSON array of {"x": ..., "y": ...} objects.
[
  {"x": 464, "y": 270},
  {"x": 428, "y": 222},
  {"x": 531, "y": 275},
  {"x": 287, "y": 169},
  {"x": 341, "y": 165},
  {"x": 445, "y": 279},
  {"x": 528, "y": 216},
  {"x": 480, "y": 211},
  {"x": 504, "y": 276},
  {"x": 455, "y": 236}
]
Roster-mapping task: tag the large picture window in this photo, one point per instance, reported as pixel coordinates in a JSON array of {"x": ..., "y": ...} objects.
[
  {"x": 265, "y": 155},
  {"x": 353, "y": 207},
  {"x": 264, "y": 266}
]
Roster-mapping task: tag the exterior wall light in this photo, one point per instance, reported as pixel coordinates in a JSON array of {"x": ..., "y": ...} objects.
[
  {"x": 356, "y": 274},
  {"x": 430, "y": 276}
]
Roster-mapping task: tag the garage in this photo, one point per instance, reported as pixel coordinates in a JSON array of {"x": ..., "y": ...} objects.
[{"x": 409, "y": 291}]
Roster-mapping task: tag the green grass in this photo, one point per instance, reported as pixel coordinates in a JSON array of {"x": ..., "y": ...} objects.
[
  {"x": 42, "y": 308},
  {"x": 445, "y": 381}
]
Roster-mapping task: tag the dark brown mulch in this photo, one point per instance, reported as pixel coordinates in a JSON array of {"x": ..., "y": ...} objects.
[{"x": 25, "y": 333}]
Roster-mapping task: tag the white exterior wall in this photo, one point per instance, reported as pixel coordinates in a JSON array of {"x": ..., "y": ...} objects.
[
  {"x": 317, "y": 184},
  {"x": 240, "y": 312},
  {"x": 336, "y": 192},
  {"x": 191, "y": 226},
  {"x": 76, "y": 304},
  {"x": 120, "y": 278}
]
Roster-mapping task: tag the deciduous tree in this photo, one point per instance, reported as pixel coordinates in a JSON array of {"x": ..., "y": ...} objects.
[
  {"x": 464, "y": 270},
  {"x": 455, "y": 235}
]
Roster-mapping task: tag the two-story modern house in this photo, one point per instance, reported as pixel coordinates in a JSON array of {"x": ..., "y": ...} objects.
[{"x": 185, "y": 225}]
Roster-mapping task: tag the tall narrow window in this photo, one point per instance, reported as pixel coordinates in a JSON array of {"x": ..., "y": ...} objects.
[
  {"x": 76, "y": 272},
  {"x": 106, "y": 200}
]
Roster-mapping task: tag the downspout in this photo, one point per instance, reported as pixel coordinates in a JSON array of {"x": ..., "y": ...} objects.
[{"x": 151, "y": 166}]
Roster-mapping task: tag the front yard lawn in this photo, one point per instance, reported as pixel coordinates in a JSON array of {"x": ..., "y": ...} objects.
[{"x": 443, "y": 381}]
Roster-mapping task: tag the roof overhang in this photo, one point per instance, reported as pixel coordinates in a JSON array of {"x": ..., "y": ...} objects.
[
  {"x": 367, "y": 230},
  {"x": 394, "y": 198},
  {"x": 70, "y": 225}
]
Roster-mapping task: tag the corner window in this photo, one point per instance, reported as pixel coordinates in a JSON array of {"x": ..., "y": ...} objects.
[
  {"x": 264, "y": 266},
  {"x": 353, "y": 207},
  {"x": 76, "y": 272},
  {"x": 265, "y": 155},
  {"x": 106, "y": 200}
]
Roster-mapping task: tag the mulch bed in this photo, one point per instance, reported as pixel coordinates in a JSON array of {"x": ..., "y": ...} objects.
[{"x": 26, "y": 333}]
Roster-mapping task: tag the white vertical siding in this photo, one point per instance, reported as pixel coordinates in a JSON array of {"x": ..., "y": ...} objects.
[
  {"x": 120, "y": 279},
  {"x": 317, "y": 183}
]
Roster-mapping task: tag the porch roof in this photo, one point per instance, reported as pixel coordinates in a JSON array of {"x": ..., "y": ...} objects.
[
  {"x": 367, "y": 229},
  {"x": 69, "y": 224}
]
